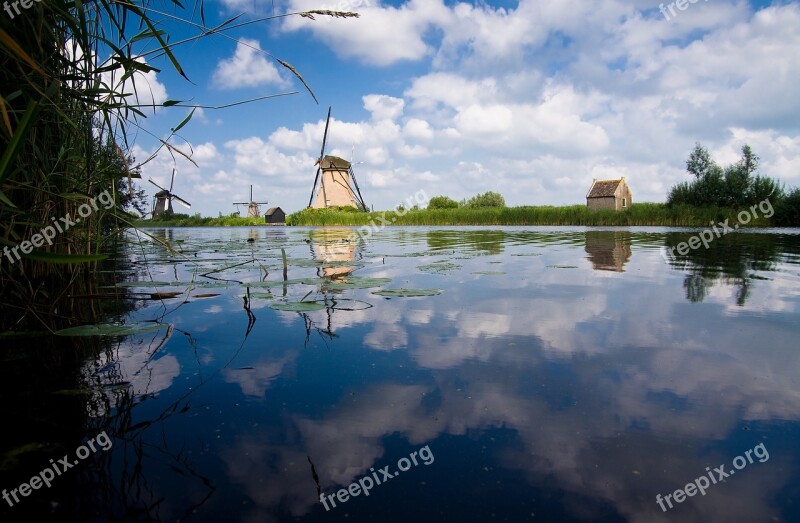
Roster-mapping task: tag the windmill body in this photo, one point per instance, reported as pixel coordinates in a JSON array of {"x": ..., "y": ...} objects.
[
  {"x": 253, "y": 207},
  {"x": 164, "y": 197},
  {"x": 335, "y": 183},
  {"x": 163, "y": 204}
]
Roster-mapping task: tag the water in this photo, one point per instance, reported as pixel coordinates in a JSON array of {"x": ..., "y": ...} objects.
[{"x": 552, "y": 374}]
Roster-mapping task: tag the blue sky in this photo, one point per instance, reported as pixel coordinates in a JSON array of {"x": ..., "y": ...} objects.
[{"x": 532, "y": 99}]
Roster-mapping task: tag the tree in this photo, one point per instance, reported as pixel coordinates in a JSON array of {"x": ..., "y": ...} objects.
[
  {"x": 734, "y": 186},
  {"x": 442, "y": 202},
  {"x": 488, "y": 199}
]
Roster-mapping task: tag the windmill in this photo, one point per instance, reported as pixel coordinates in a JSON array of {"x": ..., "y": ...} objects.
[
  {"x": 335, "y": 184},
  {"x": 162, "y": 203},
  {"x": 252, "y": 206}
]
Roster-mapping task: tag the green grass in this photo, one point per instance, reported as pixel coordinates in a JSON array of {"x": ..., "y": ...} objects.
[
  {"x": 183, "y": 220},
  {"x": 655, "y": 214}
]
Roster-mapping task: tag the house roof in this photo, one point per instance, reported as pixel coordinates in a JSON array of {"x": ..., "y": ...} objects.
[
  {"x": 604, "y": 189},
  {"x": 273, "y": 210}
]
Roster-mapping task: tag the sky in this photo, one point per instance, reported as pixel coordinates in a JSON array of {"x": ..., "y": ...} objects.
[{"x": 532, "y": 99}]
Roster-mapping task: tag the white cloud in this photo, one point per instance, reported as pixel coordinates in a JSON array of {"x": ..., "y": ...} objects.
[
  {"x": 142, "y": 89},
  {"x": 248, "y": 67},
  {"x": 383, "y": 107},
  {"x": 383, "y": 35}
]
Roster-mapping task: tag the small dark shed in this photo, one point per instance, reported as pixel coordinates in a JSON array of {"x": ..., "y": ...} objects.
[{"x": 275, "y": 216}]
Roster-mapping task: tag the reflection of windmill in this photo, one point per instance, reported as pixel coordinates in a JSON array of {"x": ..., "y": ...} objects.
[
  {"x": 162, "y": 203},
  {"x": 337, "y": 187},
  {"x": 252, "y": 206}
]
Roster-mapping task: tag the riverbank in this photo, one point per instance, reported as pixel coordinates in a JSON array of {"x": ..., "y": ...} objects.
[{"x": 641, "y": 214}]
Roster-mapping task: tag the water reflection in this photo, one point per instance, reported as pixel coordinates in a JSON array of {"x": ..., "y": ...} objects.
[
  {"x": 541, "y": 385},
  {"x": 608, "y": 250},
  {"x": 334, "y": 244},
  {"x": 734, "y": 260}
]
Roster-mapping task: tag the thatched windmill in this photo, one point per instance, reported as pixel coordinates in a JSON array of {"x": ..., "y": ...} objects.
[
  {"x": 252, "y": 206},
  {"x": 163, "y": 199},
  {"x": 335, "y": 183}
]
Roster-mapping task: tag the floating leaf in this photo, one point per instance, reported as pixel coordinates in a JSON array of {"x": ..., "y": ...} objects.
[
  {"x": 280, "y": 283},
  {"x": 112, "y": 329},
  {"x": 439, "y": 267},
  {"x": 355, "y": 282},
  {"x": 146, "y": 284},
  {"x": 164, "y": 295},
  {"x": 261, "y": 296},
  {"x": 407, "y": 293},
  {"x": 299, "y": 306},
  {"x": 344, "y": 305}
]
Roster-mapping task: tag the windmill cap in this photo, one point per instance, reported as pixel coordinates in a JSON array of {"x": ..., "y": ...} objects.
[{"x": 335, "y": 162}]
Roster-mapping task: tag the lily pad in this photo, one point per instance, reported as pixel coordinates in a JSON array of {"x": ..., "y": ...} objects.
[
  {"x": 355, "y": 282},
  {"x": 439, "y": 267},
  {"x": 112, "y": 329},
  {"x": 261, "y": 296},
  {"x": 299, "y": 306},
  {"x": 407, "y": 293},
  {"x": 148, "y": 284},
  {"x": 164, "y": 295},
  {"x": 280, "y": 283}
]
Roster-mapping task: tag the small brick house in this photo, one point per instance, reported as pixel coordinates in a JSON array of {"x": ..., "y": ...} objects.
[{"x": 609, "y": 194}]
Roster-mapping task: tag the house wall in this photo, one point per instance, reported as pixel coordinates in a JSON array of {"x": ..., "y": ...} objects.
[
  {"x": 623, "y": 191},
  {"x": 596, "y": 204}
]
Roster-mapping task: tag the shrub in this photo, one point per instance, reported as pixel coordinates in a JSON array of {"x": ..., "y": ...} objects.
[
  {"x": 488, "y": 199},
  {"x": 787, "y": 211},
  {"x": 442, "y": 202}
]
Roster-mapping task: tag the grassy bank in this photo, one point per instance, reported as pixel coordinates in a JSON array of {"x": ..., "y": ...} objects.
[
  {"x": 655, "y": 214},
  {"x": 183, "y": 220}
]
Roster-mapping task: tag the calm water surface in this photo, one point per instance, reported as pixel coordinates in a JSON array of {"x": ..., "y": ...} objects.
[{"x": 551, "y": 374}]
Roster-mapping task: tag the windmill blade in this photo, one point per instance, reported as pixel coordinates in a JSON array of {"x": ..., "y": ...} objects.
[
  {"x": 171, "y": 183},
  {"x": 358, "y": 191},
  {"x": 182, "y": 201},
  {"x": 314, "y": 187},
  {"x": 325, "y": 136},
  {"x": 154, "y": 183}
]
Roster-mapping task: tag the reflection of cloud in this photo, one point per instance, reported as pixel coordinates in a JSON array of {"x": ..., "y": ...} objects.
[
  {"x": 137, "y": 369},
  {"x": 255, "y": 381}
]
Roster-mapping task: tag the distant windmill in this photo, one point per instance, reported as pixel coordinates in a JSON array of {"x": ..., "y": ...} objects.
[
  {"x": 252, "y": 207},
  {"x": 163, "y": 199},
  {"x": 337, "y": 186}
]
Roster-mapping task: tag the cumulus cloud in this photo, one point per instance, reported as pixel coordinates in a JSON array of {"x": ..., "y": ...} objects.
[{"x": 248, "y": 67}]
